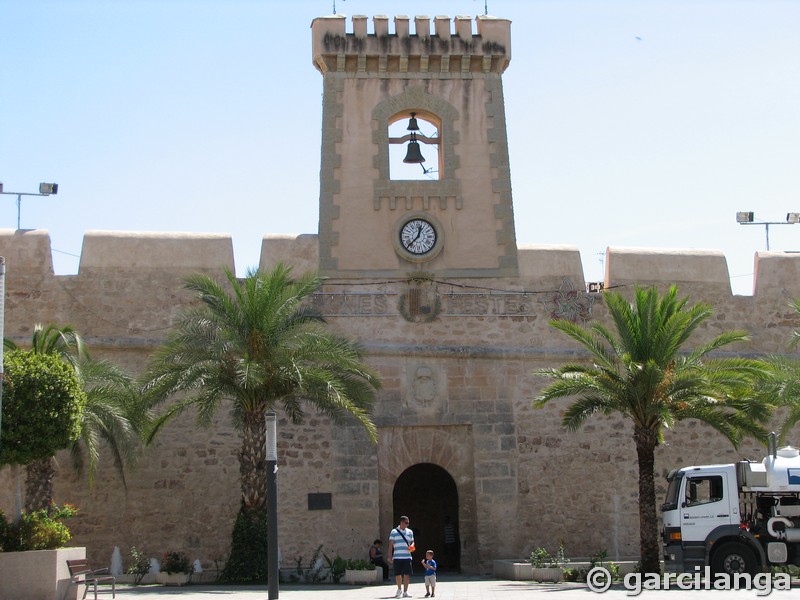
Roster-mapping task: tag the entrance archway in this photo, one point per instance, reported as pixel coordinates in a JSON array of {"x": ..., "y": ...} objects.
[{"x": 427, "y": 494}]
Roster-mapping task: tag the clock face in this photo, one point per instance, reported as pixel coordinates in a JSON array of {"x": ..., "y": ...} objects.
[{"x": 418, "y": 236}]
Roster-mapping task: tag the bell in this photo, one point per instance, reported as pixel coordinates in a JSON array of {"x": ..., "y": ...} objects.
[
  {"x": 412, "y": 123},
  {"x": 413, "y": 154}
]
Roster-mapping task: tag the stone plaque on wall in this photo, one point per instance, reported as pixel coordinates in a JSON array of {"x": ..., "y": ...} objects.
[{"x": 425, "y": 391}]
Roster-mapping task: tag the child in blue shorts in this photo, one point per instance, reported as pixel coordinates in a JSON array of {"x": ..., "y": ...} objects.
[{"x": 430, "y": 574}]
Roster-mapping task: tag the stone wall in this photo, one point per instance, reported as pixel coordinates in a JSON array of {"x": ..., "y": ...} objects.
[{"x": 457, "y": 393}]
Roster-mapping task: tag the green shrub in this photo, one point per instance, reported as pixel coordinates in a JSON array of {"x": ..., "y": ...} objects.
[
  {"x": 360, "y": 564},
  {"x": 316, "y": 572},
  {"x": 571, "y": 574},
  {"x": 337, "y": 567},
  {"x": 540, "y": 557},
  {"x": 139, "y": 565},
  {"x": 38, "y": 530},
  {"x": 247, "y": 561},
  {"x": 42, "y": 405},
  {"x": 601, "y": 560}
]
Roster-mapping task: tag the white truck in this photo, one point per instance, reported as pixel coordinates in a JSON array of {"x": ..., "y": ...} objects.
[{"x": 734, "y": 518}]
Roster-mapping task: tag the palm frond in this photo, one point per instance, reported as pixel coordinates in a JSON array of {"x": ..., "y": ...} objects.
[{"x": 258, "y": 342}]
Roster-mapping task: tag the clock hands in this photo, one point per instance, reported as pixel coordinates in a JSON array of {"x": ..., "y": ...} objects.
[{"x": 418, "y": 236}]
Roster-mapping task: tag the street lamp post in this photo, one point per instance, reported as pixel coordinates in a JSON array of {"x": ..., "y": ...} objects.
[
  {"x": 272, "y": 506},
  {"x": 45, "y": 189},
  {"x": 747, "y": 218}
]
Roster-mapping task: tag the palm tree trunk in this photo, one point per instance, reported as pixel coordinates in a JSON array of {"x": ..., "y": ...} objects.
[
  {"x": 248, "y": 558},
  {"x": 646, "y": 441},
  {"x": 253, "y": 463},
  {"x": 39, "y": 484}
]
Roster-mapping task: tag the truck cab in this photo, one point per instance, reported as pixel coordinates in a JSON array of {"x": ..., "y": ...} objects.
[
  {"x": 701, "y": 510},
  {"x": 735, "y": 518}
]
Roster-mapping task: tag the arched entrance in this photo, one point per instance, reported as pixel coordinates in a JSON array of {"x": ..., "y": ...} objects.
[{"x": 427, "y": 494}]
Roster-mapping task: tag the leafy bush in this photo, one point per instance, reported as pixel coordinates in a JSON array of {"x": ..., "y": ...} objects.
[
  {"x": 247, "y": 561},
  {"x": 336, "y": 567},
  {"x": 540, "y": 557},
  {"x": 139, "y": 565},
  {"x": 42, "y": 404},
  {"x": 360, "y": 564},
  {"x": 176, "y": 562},
  {"x": 600, "y": 560},
  {"x": 571, "y": 574},
  {"x": 38, "y": 530},
  {"x": 316, "y": 572}
]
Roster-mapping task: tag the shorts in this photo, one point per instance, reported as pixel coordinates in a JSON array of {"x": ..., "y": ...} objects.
[
  {"x": 402, "y": 566},
  {"x": 430, "y": 579}
]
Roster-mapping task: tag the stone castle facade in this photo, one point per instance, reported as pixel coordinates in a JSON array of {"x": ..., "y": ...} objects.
[{"x": 455, "y": 331}]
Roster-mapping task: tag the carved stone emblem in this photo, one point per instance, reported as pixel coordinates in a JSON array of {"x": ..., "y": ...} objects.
[{"x": 420, "y": 304}]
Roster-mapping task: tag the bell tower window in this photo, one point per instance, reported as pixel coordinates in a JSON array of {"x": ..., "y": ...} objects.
[{"x": 414, "y": 146}]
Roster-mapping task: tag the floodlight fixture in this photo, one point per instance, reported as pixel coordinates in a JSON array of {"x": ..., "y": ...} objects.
[
  {"x": 748, "y": 218},
  {"x": 45, "y": 189}
]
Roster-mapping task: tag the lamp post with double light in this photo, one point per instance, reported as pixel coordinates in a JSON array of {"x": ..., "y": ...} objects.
[
  {"x": 748, "y": 218},
  {"x": 45, "y": 189}
]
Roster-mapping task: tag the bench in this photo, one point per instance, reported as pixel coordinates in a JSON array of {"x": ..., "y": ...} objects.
[{"x": 82, "y": 574}]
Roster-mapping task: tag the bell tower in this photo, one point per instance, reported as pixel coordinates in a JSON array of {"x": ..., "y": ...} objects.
[{"x": 429, "y": 104}]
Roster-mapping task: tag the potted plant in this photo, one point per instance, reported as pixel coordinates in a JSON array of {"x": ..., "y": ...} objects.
[
  {"x": 547, "y": 567},
  {"x": 35, "y": 543},
  {"x": 361, "y": 571},
  {"x": 175, "y": 569}
]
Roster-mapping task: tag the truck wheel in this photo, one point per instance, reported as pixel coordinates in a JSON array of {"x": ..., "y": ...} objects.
[{"x": 733, "y": 557}]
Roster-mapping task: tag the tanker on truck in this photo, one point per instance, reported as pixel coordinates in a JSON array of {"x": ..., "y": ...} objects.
[{"x": 734, "y": 518}]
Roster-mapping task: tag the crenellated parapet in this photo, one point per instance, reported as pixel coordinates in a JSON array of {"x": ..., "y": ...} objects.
[
  {"x": 109, "y": 254},
  {"x": 450, "y": 50}
]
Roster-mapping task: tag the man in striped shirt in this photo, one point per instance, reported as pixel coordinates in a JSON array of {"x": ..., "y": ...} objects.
[{"x": 401, "y": 545}]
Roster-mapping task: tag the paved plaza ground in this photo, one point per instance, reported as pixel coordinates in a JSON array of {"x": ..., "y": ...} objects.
[{"x": 448, "y": 588}]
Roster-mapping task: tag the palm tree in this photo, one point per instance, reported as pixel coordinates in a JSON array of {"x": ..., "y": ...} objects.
[
  {"x": 781, "y": 386},
  {"x": 640, "y": 371},
  {"x": 113, "y": 413},
  {"x": 259, "y": 344}
]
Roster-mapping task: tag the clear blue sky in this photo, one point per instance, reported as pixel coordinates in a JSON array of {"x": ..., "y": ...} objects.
[{"x": 631, "y": 123}]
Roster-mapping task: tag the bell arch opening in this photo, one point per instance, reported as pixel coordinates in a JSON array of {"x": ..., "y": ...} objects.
[
  {"x": 414, "y": 142},
  {"x": 427, "y": 494}
]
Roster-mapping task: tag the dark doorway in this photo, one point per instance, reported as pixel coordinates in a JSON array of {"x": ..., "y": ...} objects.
[{"x": 427, "y": 494}]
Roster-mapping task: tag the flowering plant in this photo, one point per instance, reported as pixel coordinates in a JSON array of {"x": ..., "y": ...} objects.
[{"x": 176, "y": 562}]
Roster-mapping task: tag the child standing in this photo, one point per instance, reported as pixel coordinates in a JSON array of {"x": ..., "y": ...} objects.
[{"x": 430, "y": 574}]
